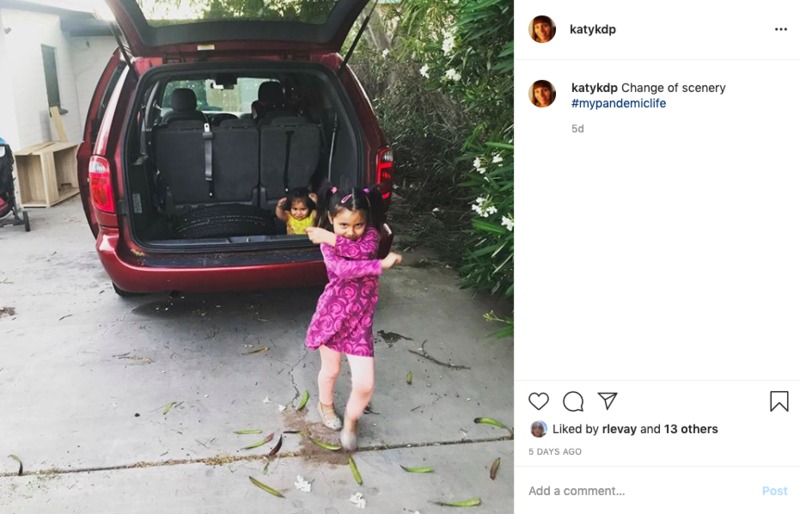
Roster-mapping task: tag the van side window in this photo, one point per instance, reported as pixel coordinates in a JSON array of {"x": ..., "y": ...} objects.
[{"x": 101, "y": 110}]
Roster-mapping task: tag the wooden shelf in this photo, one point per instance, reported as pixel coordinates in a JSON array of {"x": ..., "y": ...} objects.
[{"x": 47, "y": 173}]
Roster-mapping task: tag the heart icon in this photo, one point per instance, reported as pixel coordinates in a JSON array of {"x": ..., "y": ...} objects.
[{"x": 538, "y": 400}]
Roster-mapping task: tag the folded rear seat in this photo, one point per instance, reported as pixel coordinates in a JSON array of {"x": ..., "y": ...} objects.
[
  {"x": 181, "y": 159},
  {"x": 290, "y": 149},
  {"x": 235, "y": 171}
]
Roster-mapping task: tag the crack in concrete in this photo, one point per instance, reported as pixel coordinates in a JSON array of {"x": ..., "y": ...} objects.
[
  {"x": 428, "y": 356},
  {"x": 291, "y": 376},
  {"x": 431, "y": 404},
  {"x": 220, "y": 460}
]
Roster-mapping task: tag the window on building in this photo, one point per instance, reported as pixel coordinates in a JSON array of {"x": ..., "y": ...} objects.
[{"x": 51, "y": 76}]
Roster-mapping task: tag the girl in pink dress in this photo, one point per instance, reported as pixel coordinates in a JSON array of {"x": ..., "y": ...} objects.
[{"x": 342, "y": 323}]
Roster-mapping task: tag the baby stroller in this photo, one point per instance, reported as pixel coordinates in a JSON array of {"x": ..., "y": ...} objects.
[{"x": 8, "y": 201}]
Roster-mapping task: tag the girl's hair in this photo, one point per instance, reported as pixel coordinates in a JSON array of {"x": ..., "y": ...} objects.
[
  {"x": 300, "y": 194},
  {"x": 333, "y": 200}
]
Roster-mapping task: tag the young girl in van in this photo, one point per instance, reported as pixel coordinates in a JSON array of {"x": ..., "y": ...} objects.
[
  {"x": 297, "y": 211},
  {"x": 342, "y": 323}
]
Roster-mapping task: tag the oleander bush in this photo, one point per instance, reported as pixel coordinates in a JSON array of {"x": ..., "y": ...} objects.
[{"x": 440, "y": 74}]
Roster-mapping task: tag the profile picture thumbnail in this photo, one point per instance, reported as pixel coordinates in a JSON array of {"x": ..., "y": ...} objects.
[
  {"x": 542, "y": 93},
  {"x": 538, "y": 428},
  {"x": 542, "y": 29}
]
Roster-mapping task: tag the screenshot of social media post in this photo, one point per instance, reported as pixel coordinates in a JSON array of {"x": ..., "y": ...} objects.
[{"x": 658, "y": 285}]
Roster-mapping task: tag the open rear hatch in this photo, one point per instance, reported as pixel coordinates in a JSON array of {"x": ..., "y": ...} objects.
[{"x": 169, "y": 27}]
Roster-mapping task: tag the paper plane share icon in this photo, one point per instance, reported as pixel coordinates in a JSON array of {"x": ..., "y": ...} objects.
[{"x": 608, "y": 398}]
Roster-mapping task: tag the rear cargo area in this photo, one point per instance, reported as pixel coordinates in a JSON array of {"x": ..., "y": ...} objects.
[{"x": 212, "y": 149}]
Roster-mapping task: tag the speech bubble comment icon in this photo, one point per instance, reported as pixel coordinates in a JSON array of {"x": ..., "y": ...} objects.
[
  {"x": 573, "y": 401},
  {"x": 538, "y": 400}
]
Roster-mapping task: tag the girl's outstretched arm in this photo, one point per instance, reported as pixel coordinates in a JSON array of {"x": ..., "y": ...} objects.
[
  {"x": 346, "y": 268},
  {"x": 364, "y": 248}
]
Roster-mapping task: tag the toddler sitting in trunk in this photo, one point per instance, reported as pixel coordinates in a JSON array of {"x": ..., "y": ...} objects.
[{"x": 298, "y": 211}]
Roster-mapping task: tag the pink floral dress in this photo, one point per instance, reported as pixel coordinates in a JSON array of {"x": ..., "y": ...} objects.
[{"x": 343, "y": 319}]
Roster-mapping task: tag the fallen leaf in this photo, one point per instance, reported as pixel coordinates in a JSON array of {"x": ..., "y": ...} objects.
[
  {"x": 495, "y": 467},
  {"x": 257, "y": 350},
  {"x": 417, "y": 470},
  {"x": 12, "y": 456},
  {"x": 169, "y": 407},
  {"x": 273, "y": 492},
  {"x": 323, "y": 444},
  {"x": 409, "y": 378},
  {"x": 354, "y": 469},
  {"x": 303, "y": 400},
  {"x": 277, "y": 447},
  {"x": 472, "y": 502},
  {"x": 493, "y": 422},
  {"x": 260, "y": 443}
]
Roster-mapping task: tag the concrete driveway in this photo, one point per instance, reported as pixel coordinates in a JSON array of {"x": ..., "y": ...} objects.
[{"x": 131, "y": 405}]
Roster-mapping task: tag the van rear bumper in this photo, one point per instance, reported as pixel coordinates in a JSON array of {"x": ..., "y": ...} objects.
[
  {"x": 136, "y": 277},
  {"x": 140, "y": 274}
]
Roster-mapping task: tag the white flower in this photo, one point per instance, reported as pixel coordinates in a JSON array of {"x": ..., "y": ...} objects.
[
  {"x": 358, "y": 500},
  {"x": 424, "y": 71},
  {"x": 479, "y": 165},
  {"x": 448, "y": 42},
  {"x": 302, "y": 484},
  {"x": 508, "y": 223},
  {"x": 385, "y": 53},
  {"x": 483, "y": 208},
  {"x": 435, "y": 209},
  {"x": 266, "y": 400},
  {"x": 281, "y": 408},
  {"x": 452, "y": 75},
  {"x": 497, "y": 158}
]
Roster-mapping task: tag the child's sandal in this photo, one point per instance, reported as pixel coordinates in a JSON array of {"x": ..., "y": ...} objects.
[{"x": 329, "y": 417}]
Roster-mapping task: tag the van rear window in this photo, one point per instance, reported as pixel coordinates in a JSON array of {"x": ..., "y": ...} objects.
[{"x": 180, "y": 12}]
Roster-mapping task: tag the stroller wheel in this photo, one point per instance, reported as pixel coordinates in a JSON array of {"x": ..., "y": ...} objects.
[{"x": 26, "y": 220}]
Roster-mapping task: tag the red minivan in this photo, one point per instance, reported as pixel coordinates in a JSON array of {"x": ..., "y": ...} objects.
[{"x": 203, "y": 119}]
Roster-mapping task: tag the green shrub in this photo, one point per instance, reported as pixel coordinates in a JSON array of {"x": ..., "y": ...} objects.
[{"x": 440, "y": 74}]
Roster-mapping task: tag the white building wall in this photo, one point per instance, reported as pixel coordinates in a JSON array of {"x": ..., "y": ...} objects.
[
  {"x": 28, "y": 31},
  {"x": 89, "y": 58},
  {"x": 8, "y": 115}
]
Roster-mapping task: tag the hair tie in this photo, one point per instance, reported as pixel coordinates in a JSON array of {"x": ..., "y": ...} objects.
[
  {"x": 333, "y": 189},
  {"x": 366, "y": 190}
]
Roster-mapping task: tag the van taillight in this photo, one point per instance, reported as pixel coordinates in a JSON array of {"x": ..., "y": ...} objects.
[
  {"x": 100, "y": 184},
  {"x": 385, "y": 169}
]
